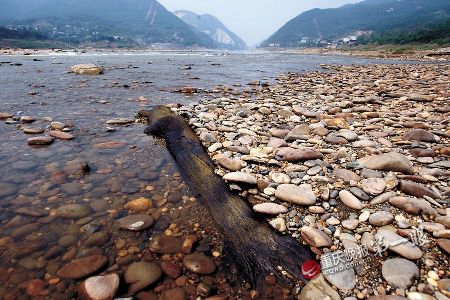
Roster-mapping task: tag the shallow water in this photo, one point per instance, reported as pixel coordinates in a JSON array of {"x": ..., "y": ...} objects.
[{"x": 133, "y": 166}]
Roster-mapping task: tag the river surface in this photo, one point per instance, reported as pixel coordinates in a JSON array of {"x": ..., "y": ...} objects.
[{"x": 105, "y": 169}]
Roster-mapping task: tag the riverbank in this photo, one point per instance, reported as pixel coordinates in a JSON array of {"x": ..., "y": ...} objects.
[
  {"x": 351, "y": 159},
  {"x": 390, "y": 52}
]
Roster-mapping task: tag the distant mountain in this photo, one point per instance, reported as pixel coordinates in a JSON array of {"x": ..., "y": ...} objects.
[
  {"x": 211, "y": 26},
  {"x": 137, "y": 22},
  {"x": 318, "y": 26}
]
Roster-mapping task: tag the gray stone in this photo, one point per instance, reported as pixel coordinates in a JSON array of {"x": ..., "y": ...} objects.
[{"x": 400, "y": 273}]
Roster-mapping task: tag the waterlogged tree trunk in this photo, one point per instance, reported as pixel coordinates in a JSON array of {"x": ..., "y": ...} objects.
[{"x": 255, "y": 246}]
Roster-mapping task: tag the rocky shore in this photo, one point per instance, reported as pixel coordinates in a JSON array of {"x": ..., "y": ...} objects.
[{"x": 347, "y": 159}]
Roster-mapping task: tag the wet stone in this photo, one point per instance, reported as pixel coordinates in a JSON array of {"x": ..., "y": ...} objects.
[
  {"x": 7, "y": 189},
  {"x": 74, "y": 211},
  {"x": 166, "y": 244},
  {"x": 40, "y": 140},
  {"x": 99, "y": 287},
  {"x": 73, "y": 188},
  {"x": 140, "y": 275},
  {"x": 82, "y": 267},
  {"x": 199, "y": 264},
  {"x": 137, "y": 222}
]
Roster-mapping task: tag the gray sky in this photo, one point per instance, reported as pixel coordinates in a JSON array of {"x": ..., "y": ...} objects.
[{"x": 252, "y": 20}]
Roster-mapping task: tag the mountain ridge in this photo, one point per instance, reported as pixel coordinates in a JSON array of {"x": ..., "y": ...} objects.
[
  {"x": 145, "y": 22},
  {"x": 212, "y": 27}
]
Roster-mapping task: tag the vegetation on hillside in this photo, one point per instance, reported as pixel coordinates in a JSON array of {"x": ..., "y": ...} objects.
[{"x": 437, "y": 33}]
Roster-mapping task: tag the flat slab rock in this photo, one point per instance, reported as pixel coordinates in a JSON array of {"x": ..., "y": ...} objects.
[
  {"x": 391, "y": 161},
  {"x": 83, "y": 267},
  {"x": 137, "y": 222},
  {"x": 400, "y": 273},
  {"x": 399, "y": 245}
]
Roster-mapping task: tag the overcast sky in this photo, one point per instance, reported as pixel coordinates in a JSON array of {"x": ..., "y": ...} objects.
[{"x": 252, "y": 20}]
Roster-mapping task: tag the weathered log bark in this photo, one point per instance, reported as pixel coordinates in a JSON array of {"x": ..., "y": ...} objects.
[{"x": 256, "y": 247}]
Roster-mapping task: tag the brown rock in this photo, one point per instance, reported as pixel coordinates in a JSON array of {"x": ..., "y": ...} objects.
[
  {"x": 40, "y": 140},
  {"x": 419, "y": 135},
  {"x": 420, "y": 152},
  {"x": 337, "y": 122},
  {"x": 412, "y": 205},
  {"x": 444, "y": 244},
  {"x": 171, "y": 269},
  {"x": 346, "y": 175},
  {"x": 138, "y": 205},
  {"x": 173, "y": 294},
  {"x": 82, "y": 267},
  {"x": 417, "y": 190},
  {"x": 166, "y": 244},
  {"x": 86, "y": 69},
  {"x": 199, "y": 264},
  {"x": 37, "y": 287},
  {"x": 5, "y": 115},
  {"x": 391, "y": 161},
  {"x": 140, "y": 275},
  {"x": 60, "y": 135},
  {"x": 296, "y": 155}
]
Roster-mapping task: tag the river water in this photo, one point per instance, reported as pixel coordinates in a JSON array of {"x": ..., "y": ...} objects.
[{"x": 105, "y": 169}]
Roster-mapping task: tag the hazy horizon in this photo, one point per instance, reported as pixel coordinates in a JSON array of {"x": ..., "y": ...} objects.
[{"x": 254, "y": 21}]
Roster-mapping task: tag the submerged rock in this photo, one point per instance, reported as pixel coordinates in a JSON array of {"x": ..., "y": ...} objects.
[
  {"x": 101, "y": 287},
  {"x": 82, "y": 267}
]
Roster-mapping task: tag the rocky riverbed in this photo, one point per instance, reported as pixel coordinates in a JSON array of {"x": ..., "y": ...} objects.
[
  {"x": 93, "y": 208},
  {"x": 345, "y": 159}
]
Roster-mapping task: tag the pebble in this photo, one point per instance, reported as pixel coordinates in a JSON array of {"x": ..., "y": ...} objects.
[
  {"x": 40, "y": 140},
  {"x": 373, "y": 186},
  {"x": 349, "y": 200},
  {"x": 381, "y": 218},
  {"x": 86, "y": 69},
  {"x": 391, "y": 161},
  {"x": 399, "y": 245},
  {"x": 83, "y": 267},
  {"x": 137, "y": 222},
  {"x": 270, "y": 208},
  {"x": 140, "y": 275},
  {"x": 74, "y": 211},
  {"x": 292, "y": 193},
  {"x": 61, "y": 135},
  {"x": 412, "y": 205},
  {"x": 279, "y": 224},
  {"x": 240, "y": 177},
  {"x": 344, "y": 279},
  {"x": 101, "y": 287},
  {"x": 120, "y": 121},
  {"x": 400, "y": 272},
  {"x": 138, "y": 205},
  {"x": 199, "y": 264},
  {"x": 315, "y": 237},
  {"x": 318, "y": 288}
]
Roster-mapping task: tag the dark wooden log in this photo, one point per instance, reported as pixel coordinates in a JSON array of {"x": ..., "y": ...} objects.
[{"x": 255, "y": 246}]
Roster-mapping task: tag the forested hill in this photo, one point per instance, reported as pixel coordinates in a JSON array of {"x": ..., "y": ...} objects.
[{"x": 370, "y": 17}]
